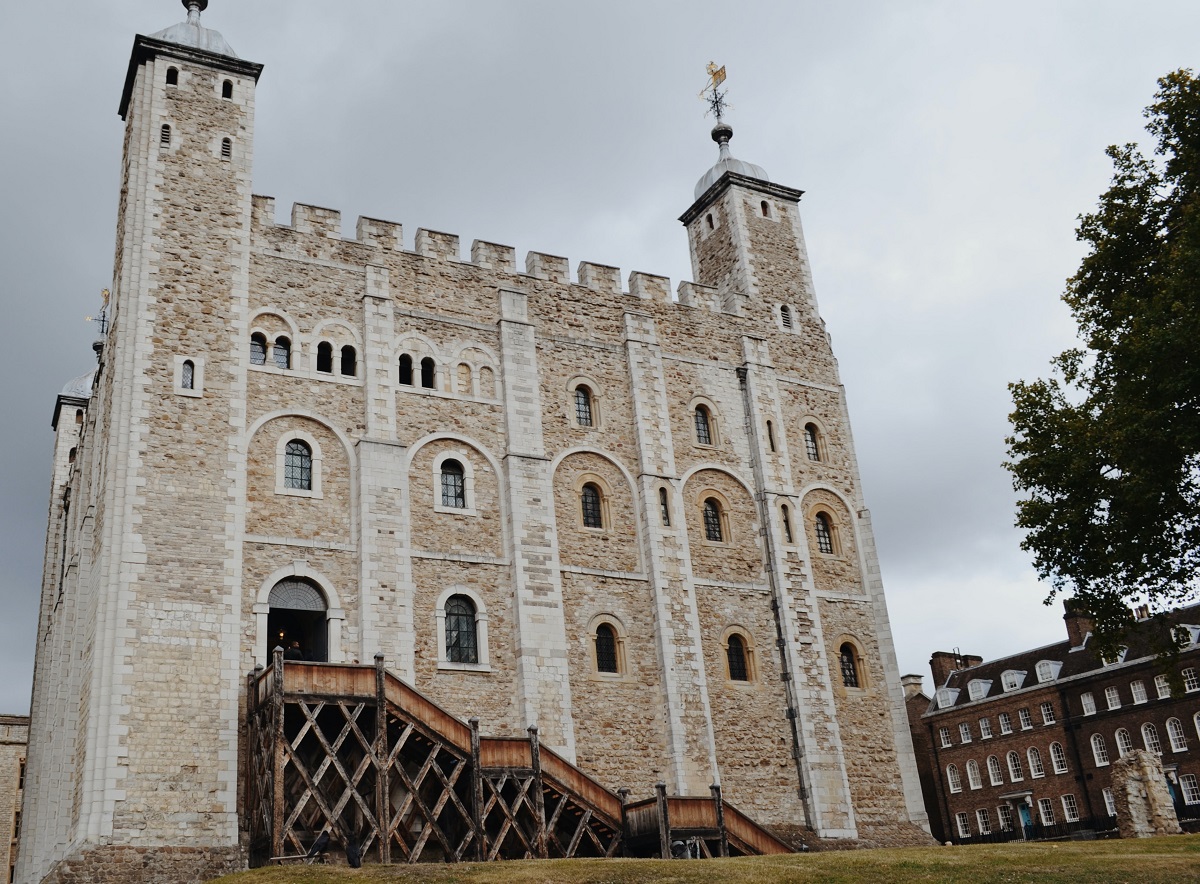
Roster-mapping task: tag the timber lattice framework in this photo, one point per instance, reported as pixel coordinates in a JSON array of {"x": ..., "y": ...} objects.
[{"x": 354, "y": 752}]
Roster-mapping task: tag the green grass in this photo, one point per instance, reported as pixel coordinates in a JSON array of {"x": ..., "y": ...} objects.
[{"x": 1148, "y": 861}]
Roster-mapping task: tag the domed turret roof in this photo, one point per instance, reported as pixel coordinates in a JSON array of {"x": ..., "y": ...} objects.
[
  {"x": 80, "y": 387},
  {"x": 192, "y": 33},
  {"x": 727, "y": 162}
]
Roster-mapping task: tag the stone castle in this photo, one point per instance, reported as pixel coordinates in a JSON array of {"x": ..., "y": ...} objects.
[{"x": 630, "y": 517}]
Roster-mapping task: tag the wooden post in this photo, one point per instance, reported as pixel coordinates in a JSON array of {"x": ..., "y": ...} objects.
[
  {"x": 477, "y": 791},
  {"x": 539, "y": 797},
  {"x": 383, "y": 793},
  {"x": 624, "y": 793},
  {"x": 279, "y": 757},
  {"x": 251, "y": 789},
  {"x": 720, "y": 805},
  {"x": 664, "y": 825}
]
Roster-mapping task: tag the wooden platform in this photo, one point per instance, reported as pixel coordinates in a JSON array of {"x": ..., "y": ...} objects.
[{"x": 355, "y": 751}]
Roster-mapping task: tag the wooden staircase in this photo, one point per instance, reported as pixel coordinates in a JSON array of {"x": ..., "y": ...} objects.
[{"x": 354, "y": 751}]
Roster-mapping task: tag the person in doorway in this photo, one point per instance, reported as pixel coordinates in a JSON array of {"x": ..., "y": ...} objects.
[{"x": 293, "y": 652}]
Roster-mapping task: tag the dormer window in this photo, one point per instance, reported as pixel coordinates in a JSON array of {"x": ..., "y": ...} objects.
[
  {"x": 946, "y": 697},
  {"x": 1047, "y": 670},
  {"x": 1012, "y": 679},
  {"x": 978, "y": 688},
  {"x": 1114, "y": 659}
]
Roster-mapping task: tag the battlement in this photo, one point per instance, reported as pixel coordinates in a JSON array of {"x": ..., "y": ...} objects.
[{"x": 318, "y": 229}]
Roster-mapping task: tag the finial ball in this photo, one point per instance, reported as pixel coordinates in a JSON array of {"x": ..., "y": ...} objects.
[
  {"x": 203, "y": 4},
  {"x": 722, "y": 132}
]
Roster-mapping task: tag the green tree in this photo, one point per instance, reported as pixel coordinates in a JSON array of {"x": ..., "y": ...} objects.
[{"x": 1106, "y": 452}]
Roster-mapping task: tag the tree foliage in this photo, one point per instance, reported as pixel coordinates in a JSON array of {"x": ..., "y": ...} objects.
[{"x": 1106, "y": 452}]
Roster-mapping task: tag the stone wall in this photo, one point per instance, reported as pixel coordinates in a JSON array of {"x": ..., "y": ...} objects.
[{"x": 1144, "y": 807}]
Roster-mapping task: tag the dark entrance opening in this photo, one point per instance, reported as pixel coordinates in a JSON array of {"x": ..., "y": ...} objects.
[{"x": 298, "y": 613}]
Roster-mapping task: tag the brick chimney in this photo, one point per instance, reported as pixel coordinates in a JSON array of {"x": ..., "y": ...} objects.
[
  {"x": 968, "y": 661},
  {"x": 1079, "y": 622},
  {"x": 941, "y": 664},
  {"x": 913, "y": 685}
]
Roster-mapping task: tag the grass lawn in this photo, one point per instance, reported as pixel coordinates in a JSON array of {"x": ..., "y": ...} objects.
[{"x": 1147, "y": 861}]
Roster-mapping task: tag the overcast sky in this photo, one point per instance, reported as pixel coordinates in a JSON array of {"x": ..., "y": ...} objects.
[{"x": 945, "y": 148}]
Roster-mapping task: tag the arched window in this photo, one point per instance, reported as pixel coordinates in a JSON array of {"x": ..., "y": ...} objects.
[
  {"x": 464, "y": 378},
  {"x": 811, "y": 444},
  {"x": 787, "y": 523},
  {"x": 995, "y": 772},
  {"x": 1176, "y": 736},
  {"x": 824, "y": 534},
  {"x": 709, "y": 219},
  {"x": 766, "y": 209},
  {"x": 71, "y": 455},
  {"x": 1124, "y": 743},
  {"x": 953, "y": 780},
  {"x": 258, "y": 349},
  {"x": 770, "y": 436},
  {"x": 606, "y": 649},
  {"x": 583, "y": 406},
  {"x": 462, "y": 642},
  {"x": 1014, "y": 767},
  {"x": 712, "y": 521},
  {"x": 164, "y": 136},
  {"x": 1196, "y": 722},
  {"x": 187, "y": 375},
  {"x": 1058, "y": 757},
  {"x": 349, "y": 361},
  {"x": 704, "y": 435},
  {"x": 737, "y": 658},
  {"x": 78, "y": 416},
  {"x": 589, "y": 499},
  {"x": 406, "y": 369},
  {"x": 785, "y": 316},
  {"x": 282, "y": 352},
  {"x": 428, "y": 381},
  {"x": 454, "y": 493},
  {"x": 297, "y": 466},
  {"x": 1037, "y": 770},
  {"x": 227, "y": 89},
  {"x": 664, "y": 507},
  {"x": 973, "y": 778},
  {"x": 849, "y": 665},
  {"x": 172, "y": 76},
  {"x": 325, "y": 357},
  {"x": 1150, "y": 738},
  {"x": 1099, "y": 751},
  {"x": 226, "y": 148}
]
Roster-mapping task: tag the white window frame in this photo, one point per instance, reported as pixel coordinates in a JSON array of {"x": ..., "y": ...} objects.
[
  {"x": 1047, "y": 670},
  {"x": 985, "y": 728},
  {"x": 1124, "y": 747},
  {"x": 460, "y": 455},
  {"x": 1137, "y": 688},
  {"x": 481, "y": 630},
  {"x": 1012, "y": 679},
  {"x": 1037, "y": 769},
  {"x": 1099, "y": 750},
  {"x": 1005, "y": 815},
  {"x": 953, "y": 779},
  {"x": 1026, "y": 718},
  {"x": 974, "y": 780},
  {"x": 1110, "y": 801},
  {"x": 1112, "y": 697},
  {"x": 984, "y": 821},
  {"x": 944, "y": 737},
  {"x": 1191, "y": 680},
  {"x": 1046, "y": 811},
  {"x": 1058, "y": 758},
  {"x": 1151, "y": 739},
  {"x": 964, "y": 732},
  {"x": 996, "y": 771},
  {"x": 1162, "y": 687},
  {"x": 1190, "y": 788},
  {"x": 1176, "y": 736},
  {"x": 281, "y": 459},
  {"x": 1047, "y": 710},
  {"x": 1005, "y": 723},
  {"x": 946, "y": 697},
  {"x": 1088, "y": 702},
  {"x": 977, "y": 688},
  {"x": 964, "y": 824},
  {"x": 1070, "y": 808},
  {"x": 1015, "y": 773}
]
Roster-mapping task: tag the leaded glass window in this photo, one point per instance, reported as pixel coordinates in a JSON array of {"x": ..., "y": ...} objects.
[
  {"x": 849, "y": 666},
  {"x": 462, "y": 642},
  {"x": 712, "y": 521},
  {"x": 282, "y": 353},
  {"x": 589, "y": 500},
  {"x": 703, "y": 426},
  {"x": 187, "y": 375},
  {"x": 606, "y": 649},
  {"x": 735, "y": 654},
  {"x": 454, "y": 492},
  {"x": 583, "y": 406},
  {"x": 297, "y": 466},
  {"x": 810, "y": 442},
  {"x": 824, "y": 534},
  {"x": 258, "y": 350},
  {"x": 665, "y": 507},
  {"x": 1124, "y": 742}
]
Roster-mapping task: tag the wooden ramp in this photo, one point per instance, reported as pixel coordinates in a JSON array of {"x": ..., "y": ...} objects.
[{"x": 355, "y": 752}]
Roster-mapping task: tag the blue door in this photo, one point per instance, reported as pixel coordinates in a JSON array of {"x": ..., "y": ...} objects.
[{"x": 1026, "y": 818}]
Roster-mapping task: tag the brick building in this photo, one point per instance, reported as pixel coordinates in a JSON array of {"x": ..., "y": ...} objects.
[
  {"x": 14, "y": 738},
  {"x": 1024, "y": 743},
  {"x": 629, "y": 517}
]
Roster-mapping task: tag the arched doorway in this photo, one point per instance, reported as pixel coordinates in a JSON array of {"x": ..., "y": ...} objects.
[{"x": 298, "y": 613}]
